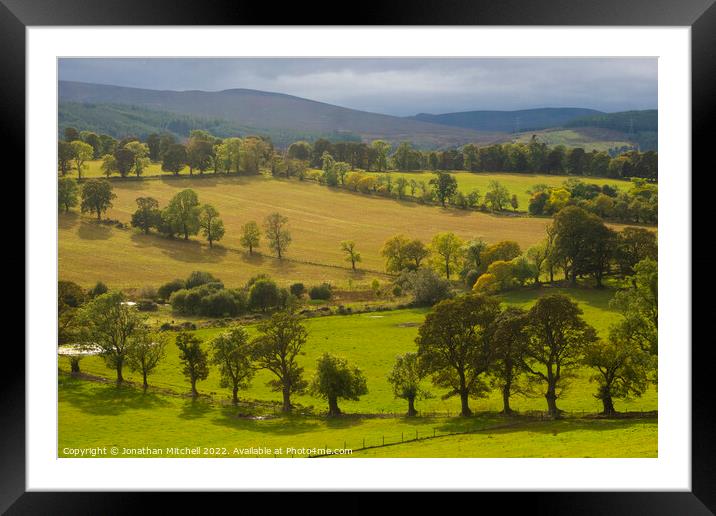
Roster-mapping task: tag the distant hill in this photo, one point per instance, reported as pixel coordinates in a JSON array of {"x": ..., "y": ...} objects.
[
  {"x": 641, "y": 127},
  {"x": 508, "y": 121},
  {"x": 268, "y": 112},
  {"x": 120, "y": 120}
]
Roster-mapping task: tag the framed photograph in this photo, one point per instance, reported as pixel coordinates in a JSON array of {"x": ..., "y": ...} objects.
[{"x": 421, "y": 253}]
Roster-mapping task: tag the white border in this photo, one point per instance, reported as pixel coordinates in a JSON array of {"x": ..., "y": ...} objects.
[{"x": 670, "y": 471}]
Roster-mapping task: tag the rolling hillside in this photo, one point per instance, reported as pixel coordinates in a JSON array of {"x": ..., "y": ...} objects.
[
  {"x": 269, "y": 112},
  {"x": 508, "y": 121}
]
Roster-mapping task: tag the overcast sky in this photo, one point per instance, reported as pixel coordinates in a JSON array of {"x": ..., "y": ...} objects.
[{"x": 398, "y": 86}]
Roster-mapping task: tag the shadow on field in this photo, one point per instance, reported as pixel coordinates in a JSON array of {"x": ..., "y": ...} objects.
[
  {"x": 190, "y": 251},
  {"x": 67, "y": 220},
  {"x": 208, "y": 180},
  {"x": 195, "y": 409},
  {"x": 285, "y": 425},
  {"x": 107, "y": 399},
  {"x": 478, "y": 425},
  {"x": 89, "y": 231}
]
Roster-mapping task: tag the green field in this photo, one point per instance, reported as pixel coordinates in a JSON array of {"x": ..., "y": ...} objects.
[
  {"x": 589, "y": 138},
  {"x": 319, "y": 219},
  {"x": 91, "y": 411},
  {"x": 516, "y": 183}
]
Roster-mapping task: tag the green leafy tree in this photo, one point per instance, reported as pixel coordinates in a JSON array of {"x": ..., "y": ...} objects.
[
  {"x": 558, "y": 337},
  {"x": 81, "y": 152},
  {"x": 147, "y": 348},
  {"x": 621, "y": 369},
  {"x": 381, "y": 149},
  {"x": 183, "y": 212},
  {"x": 109, "y": 165},
  {"x": 147, "y": 215},
  {"x": 65, "y": 155},
  {"x": 406, "y": 378},
  {"x": 67, "y": 193},
  {"x": 639, "y": 307},
  {"x": 455, "y": 345},
  {"x": 276, "y": 233},
  {"x": 233, "y": 353},
  {"x": 174, "y": 158},
  {"x": 444, "y": 186},
  {"x": 632, "y": 246},
  {"x": 250, "y": 236},
  {"x": 510, "y": 339},
  {"x": 394, "y": 253},
  {"x": 123, "y": 161},
  {"x": 141, "y": 156},
  {"x": 264, "y": 295},
  {"x": 97, "y": 196},
  {"x": 447, "y": 252},
  {"x": 497, "y": 196},
  {"x": 212, "y": 227},
  {"x": 276, "y": 349},
  {"x": 110, "y": 324},
  {"x": 194, "y": 359},
  {"x": 335, "y": 379},
  {"x": 352, "y": 255}
]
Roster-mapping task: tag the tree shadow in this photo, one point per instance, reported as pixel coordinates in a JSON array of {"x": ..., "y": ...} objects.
[
  {"x": 89, "y": 231},
  {"x": 190, "y": 251},
  {"x": 67, "y": 220},
  {"x": 195, "y": 409},
  {"x": 280, "y": 425},
  {"x": 107, "y": 399}
]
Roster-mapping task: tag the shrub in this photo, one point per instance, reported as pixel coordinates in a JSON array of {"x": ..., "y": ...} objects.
[
  {"x": 322, "y": 291},
  {"x": 221, "y": 303},
  {"x": 264, "y": 295},
  {"x": 486, "y": 284},
  {"x": 198, "y": 278},
  {"x": 256, "y": 278},
  {"x": 168, "y": 289},
  {"x": 427, "y": 287},
  {"x": 99, "y": 289},
  {"x": 147, "y": 305},
  {"x": 297, "y": 289}
]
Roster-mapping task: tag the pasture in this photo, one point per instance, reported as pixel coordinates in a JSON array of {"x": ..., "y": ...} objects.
[
  {"x": 90, "y": 411},
  {"x": 319, "y": 219},
  {"x": 516, "y": 183}
]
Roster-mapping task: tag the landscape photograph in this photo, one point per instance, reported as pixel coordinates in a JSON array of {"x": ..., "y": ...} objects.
[{"x": 357, "y": 257}]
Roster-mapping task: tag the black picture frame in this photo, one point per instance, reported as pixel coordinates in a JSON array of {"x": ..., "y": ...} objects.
[{"x": 700, "y": 15}]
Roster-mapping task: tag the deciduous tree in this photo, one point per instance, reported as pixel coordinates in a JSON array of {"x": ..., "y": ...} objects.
[
  {"x": 280, "y": 342},
  {"x": 194, "y": 359},
  {"x": 406, "y": 378},
  {"x": 335, "y": 379},
  {"x": 455, "y": 345},
  {"x": 232, "y": 352},
  {"x": 276, "y": 233},
  {"x": 97, "y": 196}
]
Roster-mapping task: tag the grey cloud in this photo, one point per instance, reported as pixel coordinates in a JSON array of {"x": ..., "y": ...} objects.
[{"x": 398, "y": 86}]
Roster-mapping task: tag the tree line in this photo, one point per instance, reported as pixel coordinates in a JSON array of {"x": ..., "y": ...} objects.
[
  {"x": 202, "y": 151},
  {"x": 578, "y": 243},
  {"x": 468, "y": 345}
]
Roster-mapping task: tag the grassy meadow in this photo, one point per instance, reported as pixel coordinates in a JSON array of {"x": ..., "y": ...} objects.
[
  {"x": 125, "y": 258},
  {"x": 165, "y": 416},
  {"x": 93, "y": 411}
]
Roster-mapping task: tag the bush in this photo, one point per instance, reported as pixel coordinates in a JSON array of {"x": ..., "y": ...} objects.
[
  {"x": 427, "y": 287},
  {"x": 264, "y": 295},
  {"x": 297, "y": 289},
  {"x": 147, "y": 305},
  {"x": 198, "y": 278},
  {"x": 168, "y": 289},
  {"x": 322, "y": 291},
  {"x": 256, "y": 278},
  {"x": 219, "y": 304},
  {"x": 99, "y": 289}
]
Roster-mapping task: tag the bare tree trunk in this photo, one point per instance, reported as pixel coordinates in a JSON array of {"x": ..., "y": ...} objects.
[
  {"x": 235, "y": 396},
  {"x": 120, "y": 378},
  {"x": 506, "y": 400}
]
